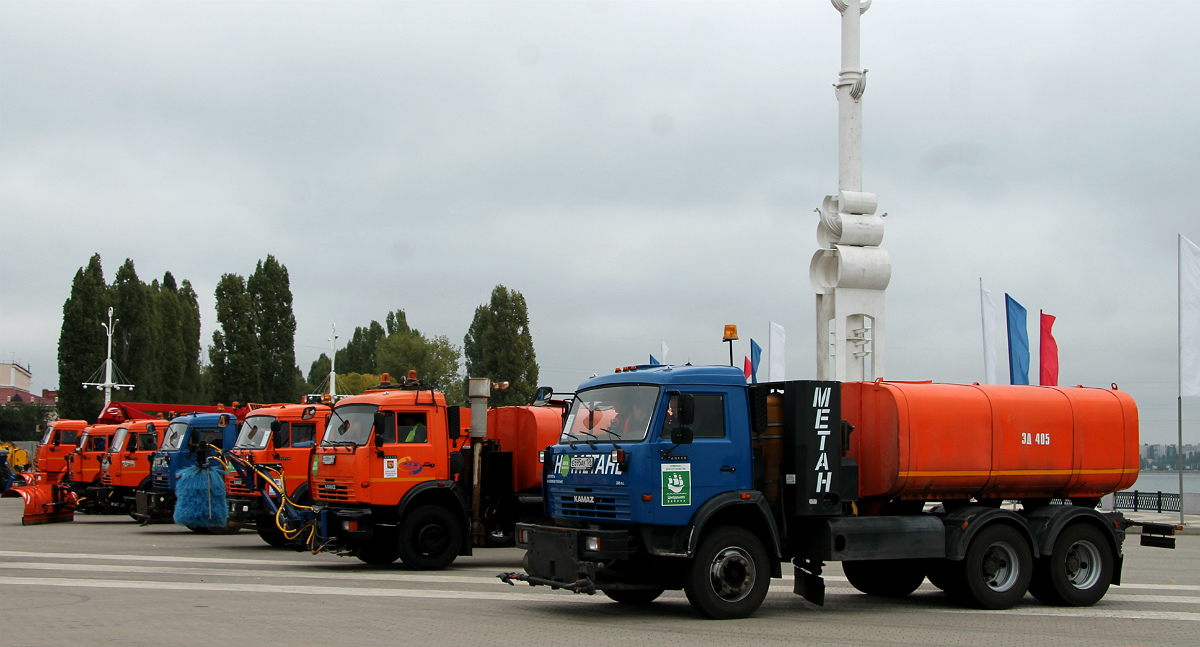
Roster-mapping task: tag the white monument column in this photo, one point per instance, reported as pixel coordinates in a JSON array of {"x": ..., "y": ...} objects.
[{"x": 850, "y": 271}]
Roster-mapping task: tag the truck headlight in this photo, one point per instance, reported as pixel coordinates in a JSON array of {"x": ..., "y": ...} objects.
[
  {"x": 591, "y": 543},
  {"x": 541, "y": 456}
]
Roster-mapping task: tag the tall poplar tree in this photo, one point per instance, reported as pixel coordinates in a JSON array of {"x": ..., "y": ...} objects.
[
  {"x": 498, "y": 346},
  {"x": 235, "y": 354},
  {"x": 136, "y": 337},
  {"x": 192, "y": 389},
  {"x": 81, "y": 343},
  {"x": 173, "y": 359},
  {"x": 275, "y": 324}
]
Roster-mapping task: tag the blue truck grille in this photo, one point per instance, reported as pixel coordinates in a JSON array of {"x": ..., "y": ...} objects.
[
  {"x": 162, "y": 481},
  {"x": 599, "y": 503}
]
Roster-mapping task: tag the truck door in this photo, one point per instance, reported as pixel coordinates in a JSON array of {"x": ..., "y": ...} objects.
[
  {"x": 715, "y": 462},
  {"x": 412, "y": 452},
  {"x": 293, "y": 442}
]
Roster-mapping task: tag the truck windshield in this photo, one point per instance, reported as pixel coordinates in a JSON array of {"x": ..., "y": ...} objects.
[
  {"x": 611, "y": 414},
  {"x": 350, "y": 423},
  {"x": 256, "y": 430},
  {"x": 47, "y": 436},
  {"x": 118, "y": 441},
  {"x": 173, "y": 439}
]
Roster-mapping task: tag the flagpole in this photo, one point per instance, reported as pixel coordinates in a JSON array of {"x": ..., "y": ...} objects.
[{"x": 1179, "y": 361}]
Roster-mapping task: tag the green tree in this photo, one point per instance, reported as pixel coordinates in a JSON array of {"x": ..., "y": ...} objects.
[
  {"x": 318, "y": 373},
  {"x": 193, "y": 389},
  {"x": 81, "y": 343},
  {"x": 25, "y": 421},
  {"x": 173, "y": 359},
  {"x": 275, "y": 324},
  {"x": 498, "y": 346},
  {"x": 355, "y": 383},
  {"x": 359, "y": 354},
  {"x": 235, "y": 354},
  {"x": 136, "y": 347},
  {"x": 435, "y": 360}
]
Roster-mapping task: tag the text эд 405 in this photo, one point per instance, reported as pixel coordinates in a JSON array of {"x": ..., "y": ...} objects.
[{"x": 1035, "y": 439}]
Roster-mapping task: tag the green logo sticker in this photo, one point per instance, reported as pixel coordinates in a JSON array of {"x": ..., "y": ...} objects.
[
  {"x": 676, "y": 484},
  {"x": 315, "y": 459},
  {"x": 564, "y": 465}
]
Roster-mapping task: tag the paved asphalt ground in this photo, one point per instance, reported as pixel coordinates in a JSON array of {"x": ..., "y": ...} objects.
[{"x": 103, "y": 580}]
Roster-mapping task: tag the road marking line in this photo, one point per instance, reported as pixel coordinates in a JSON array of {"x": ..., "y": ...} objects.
[
  {"x": 227, "y": 572},
  {"x": 1093, "y": 612},
  {"x": 340, "y": 591}
]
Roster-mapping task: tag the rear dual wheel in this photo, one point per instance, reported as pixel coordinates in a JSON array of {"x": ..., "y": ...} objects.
[
  {"x": 1079, "y": 570},
  {"x": 996, "y": 571}
]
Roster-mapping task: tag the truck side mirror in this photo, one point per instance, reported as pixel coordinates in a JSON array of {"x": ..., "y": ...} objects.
[
  {"x": 687, "y": 410},
  {"x": 453, "y": 422},
  {"x": 681, "y": 435},
  {"x": 376, "y": 437},
  {"x": 56, "y": 442},
  {"x": 542, "y": 394},
  {"x": 223, "y": 420},
  {"x": 276, "y": 426},
  {"x": 193, "y": 443},
  {"x": 308, "y": 413}
]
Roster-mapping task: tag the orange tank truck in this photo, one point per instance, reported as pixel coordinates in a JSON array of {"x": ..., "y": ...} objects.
[
  {"x": 392, "y": 477},
  {"x": 126, "y": 465},
  {"x": 278, "y": 440},
  {"x": 950, "y": 442}
]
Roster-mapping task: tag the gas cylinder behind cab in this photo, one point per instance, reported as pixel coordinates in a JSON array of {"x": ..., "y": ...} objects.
[{"x": 924, "y": 441}]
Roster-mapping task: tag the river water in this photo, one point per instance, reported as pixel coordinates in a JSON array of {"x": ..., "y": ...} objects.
[{"x": 1167, "y": 482}]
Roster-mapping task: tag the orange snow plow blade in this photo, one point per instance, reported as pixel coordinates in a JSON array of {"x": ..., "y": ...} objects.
[{"x": 44, "y": 503}]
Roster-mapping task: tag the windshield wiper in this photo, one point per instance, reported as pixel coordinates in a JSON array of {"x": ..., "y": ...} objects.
[
  {"x": 612, "y": 433},
  {"x": 592, "y": 436}
]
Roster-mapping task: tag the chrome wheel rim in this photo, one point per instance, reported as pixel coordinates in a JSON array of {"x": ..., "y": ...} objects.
[
  {"x": 732, "y": 574},
  {"x": 1083, "y": 565},
  {"x": 999, "y": 567}
]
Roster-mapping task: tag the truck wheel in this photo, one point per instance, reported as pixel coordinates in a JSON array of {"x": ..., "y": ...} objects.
[
  {"x": 635, "y": 597},
  {"x": 889, "y": 578},
  {"x": 940, "y": 573},
  {"x": 430, "y": 538},
  {"x": 381, "y": 550},
  {"x": 272, "y": 534},
  {"x": 996, "y": 571},
  {"x": 1079, "y": 570},
  {"x": 729, "y": 576}
]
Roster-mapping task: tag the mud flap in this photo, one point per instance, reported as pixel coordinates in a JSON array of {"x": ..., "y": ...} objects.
[{"x": 46, "y": 503}]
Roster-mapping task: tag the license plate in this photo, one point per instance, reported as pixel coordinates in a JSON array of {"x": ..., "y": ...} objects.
[
  {"x": 583, "y": 462},
  {"x": 328, "y": 459}
]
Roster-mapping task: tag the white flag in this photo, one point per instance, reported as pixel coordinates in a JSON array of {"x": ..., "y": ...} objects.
[
  {"x": 664, "y": 351},
  {"x": 1189, "y": 318},
  {"x": 988, "y": 312},
  {"x": 776, "y": 368}
]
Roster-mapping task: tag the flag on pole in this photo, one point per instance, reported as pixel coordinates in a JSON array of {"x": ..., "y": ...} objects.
[
  {"x": 1048, "y": 361},
  {"x": 755, "y": 356},
  {"x": 775, "y": 367},
  {"x": 664, "y": 350},
  {"x": 988, "y": 312},
  {"x": 1189, "y": 318},
  {"x": 653, "y": 362},
  {"x": 1018, "y": 342},
  {"x": 747, "y": 370}
]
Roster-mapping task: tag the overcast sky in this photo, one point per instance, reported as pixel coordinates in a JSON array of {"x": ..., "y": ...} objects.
[{"x": 640, "y": 171}]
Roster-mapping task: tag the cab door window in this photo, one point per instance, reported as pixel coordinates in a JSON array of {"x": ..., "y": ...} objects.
[
  {"x": 411, "y": 428},
  {"x": 304, "y": 434},
  {"x": 281, "y": 437},
  {"x": 709, "y": 419},
  {"x": 97, "y": 443},
  {"x": 147, "y": 442}
]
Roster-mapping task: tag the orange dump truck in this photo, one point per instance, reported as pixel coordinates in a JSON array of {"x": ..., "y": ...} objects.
[{"x": 125, "y": 467}]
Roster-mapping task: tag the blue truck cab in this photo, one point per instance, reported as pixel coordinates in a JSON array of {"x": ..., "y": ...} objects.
[{"x": 178, "y": 451}]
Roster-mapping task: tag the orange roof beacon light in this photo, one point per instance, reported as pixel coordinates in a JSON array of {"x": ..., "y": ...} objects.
[{"x": 730, "y": 337}]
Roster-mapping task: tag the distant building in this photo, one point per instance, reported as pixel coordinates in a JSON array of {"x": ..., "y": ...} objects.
[{"x": 15, "y": 384}]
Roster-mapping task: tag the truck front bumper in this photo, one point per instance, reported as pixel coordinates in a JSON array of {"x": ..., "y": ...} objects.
[
  {"x": 246, "y": 510},
  {"x": 154, "y": 505},
  {"x": 569, "y": 558}
]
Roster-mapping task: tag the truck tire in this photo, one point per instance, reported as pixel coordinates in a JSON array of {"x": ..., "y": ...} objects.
[
  {"x": 1079, "y": 570},
  {"x": 271, "y": 533},
  {"x": 940, "y": 573},
  {"x": 729, "y": 575},
  {"x": 382, "y": 549},
  {"x": 430, "y": 538},
  {"x": 888, "y": 578},
  {"x": 636, "y": 597},
  {"x": 996, "y": 571}
]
